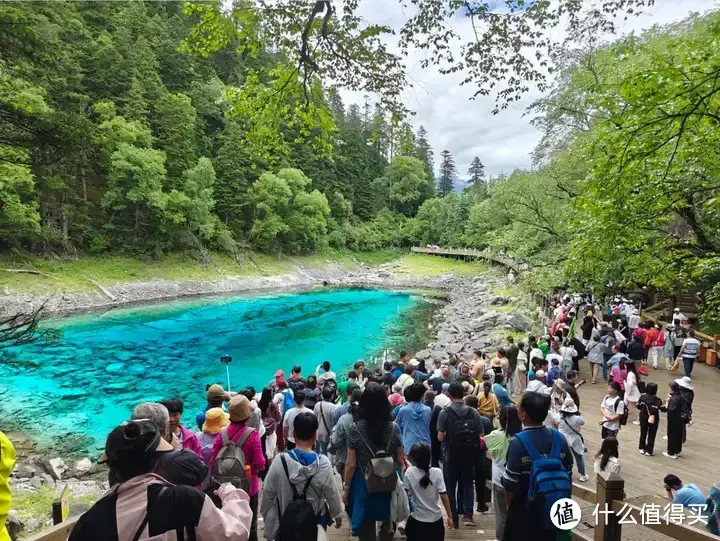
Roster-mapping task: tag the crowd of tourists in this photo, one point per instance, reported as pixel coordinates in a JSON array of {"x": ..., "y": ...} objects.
[{"x": 390, "y": 448}]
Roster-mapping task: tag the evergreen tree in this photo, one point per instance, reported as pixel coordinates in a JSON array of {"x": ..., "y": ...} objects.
[
  {"x": 448, "y": 174},
  {"x": 424, "y": 153},
  {"x": 476, "y": 171}
]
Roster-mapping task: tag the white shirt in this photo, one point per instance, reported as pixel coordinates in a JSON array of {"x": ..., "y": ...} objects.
[
  {"x": 425, "y": 501},
  {"x": 537, "y": 386},
  {"x": 442, "y": 400},
  {"x": 608, "y": 406},
  {"x": 634, "y": 321},
  {"x": 613, "y": 466},
  {"x": 551, "y": 356},
  {"x": 290, "y": 419},
  {"x": 324, "y": 412},
  {"x": 325, "y": 376},
  {"x": 536, "y": 353},
  {"x": 632, "y": 393}
]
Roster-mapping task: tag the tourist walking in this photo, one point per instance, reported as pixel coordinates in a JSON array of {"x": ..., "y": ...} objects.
[
  {"x": 570, "y": 426},
  {"x": 338, "y": 438},
  {"x": 654, "y": 343},
  {"x": 649, "y": 406},
  {"x": 618, "y": 374},
  {"x": 324, "y": 412},
  {"x": 529, "y": 519},
  {"x": 414, "y": 418},
  {"x": 459, "y": 429},
  {"x": 607, "y": 459},
  {"x": 689, "y": 352},
  {"x": 289, "y": 418},
  {"x": 612, "y": 409},
  {"x": 426, "y": 488},
  {"x": 512, "y": 352},
  {"x": 488, "y": 404},
  {"x": 632, "y": 384},
  {"x": 595, "y": 356},
  {"x": 497, "y": 443},
  {"x": 669, "y": 347},
  {"x": 372, "y": 437},
  {"x": 272, "y": 421},
  {"x": 142, "y": 502},
  {"x": 182, "y": 438},
  {"x": 687, "y": 391},
  {"x": 248, "y": 439},
  {"x": 216, "y": 398},
  {"x": 300, "y": 473},
  {"x": 675, "y": 408},
  {"x": 215, "y": 420}
]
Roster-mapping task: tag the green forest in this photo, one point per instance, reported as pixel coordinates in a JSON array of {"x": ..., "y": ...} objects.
[{"x": 148, "y": 128}]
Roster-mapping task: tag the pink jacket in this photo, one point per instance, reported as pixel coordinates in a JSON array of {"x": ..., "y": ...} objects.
[
  {"x": 190, "y": 441},
  {"x": 251, "y": 448},
  {"x": 231, "y": 523}
]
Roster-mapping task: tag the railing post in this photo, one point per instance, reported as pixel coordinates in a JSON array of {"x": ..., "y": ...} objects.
[{"x": 609, "y": 487}]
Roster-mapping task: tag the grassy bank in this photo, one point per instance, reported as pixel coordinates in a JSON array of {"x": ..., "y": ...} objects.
[{"x": 72, "y": 275}]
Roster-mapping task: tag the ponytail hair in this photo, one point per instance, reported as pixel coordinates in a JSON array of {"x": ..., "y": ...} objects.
[
  {"x": 420, "y": 456},
  {"x": 486, "y": 388}
]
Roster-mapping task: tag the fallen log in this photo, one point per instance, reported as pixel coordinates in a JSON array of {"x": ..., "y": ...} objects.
[
  {"x": 32, "y": 271},
  {"x": 101, "y": 288}
]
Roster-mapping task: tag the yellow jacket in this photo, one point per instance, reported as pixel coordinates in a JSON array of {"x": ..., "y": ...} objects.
[{"x": 7, "y": 463}]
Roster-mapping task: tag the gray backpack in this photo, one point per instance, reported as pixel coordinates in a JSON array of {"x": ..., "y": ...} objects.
[
  {"x": 380, "y": 474},
  {"x": 230, "y": 462}
]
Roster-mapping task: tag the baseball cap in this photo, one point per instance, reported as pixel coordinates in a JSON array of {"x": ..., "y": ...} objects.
[
  {"x": 215, "y": 391},
  {"x": 132, "y": 440}
]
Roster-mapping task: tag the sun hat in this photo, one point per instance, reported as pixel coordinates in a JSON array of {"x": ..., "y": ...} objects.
[
  {"x": 676, "y": 310},
  {"x": 215, "y": 420},
  {"x": 239, "y": 408},
  {"x": 134, "y": 440},
  {"x": 569, "y": 406},
  {"x": 685, "y": 382},
  {"x": 414, "y": 362},
  {"x": 540, "y": 374},
  {"x": 215, "y": 391},
  {"x": 495, "y": 362}
]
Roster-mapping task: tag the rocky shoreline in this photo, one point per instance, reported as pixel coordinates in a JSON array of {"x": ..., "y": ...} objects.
[{"x": 473, "y": 318}]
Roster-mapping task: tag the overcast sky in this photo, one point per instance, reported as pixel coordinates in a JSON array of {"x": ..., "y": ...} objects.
[{"x": 467, "y": 128}]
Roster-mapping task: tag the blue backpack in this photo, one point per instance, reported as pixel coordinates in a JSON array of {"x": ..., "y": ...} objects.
[
  {"x": 549, "y": 478},
  {"x": 288, "y": 401}
]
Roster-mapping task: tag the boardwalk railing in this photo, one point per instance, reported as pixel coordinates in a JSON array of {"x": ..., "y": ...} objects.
[
  {"x": 609, "y": 495},
  {"x": 469, "y": 253}
]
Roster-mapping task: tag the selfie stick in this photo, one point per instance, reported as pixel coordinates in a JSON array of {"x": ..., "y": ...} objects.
[{"x": 227, "y": 371}]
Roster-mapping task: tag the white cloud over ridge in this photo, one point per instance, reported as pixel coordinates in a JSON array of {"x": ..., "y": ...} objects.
[{"x": 466, "y": 127}]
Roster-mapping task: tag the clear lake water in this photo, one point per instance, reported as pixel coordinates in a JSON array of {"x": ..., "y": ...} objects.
[{"x": 71, "y": 387}]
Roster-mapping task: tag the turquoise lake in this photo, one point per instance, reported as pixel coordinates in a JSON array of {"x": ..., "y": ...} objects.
[{"x": 71, "y": 389}]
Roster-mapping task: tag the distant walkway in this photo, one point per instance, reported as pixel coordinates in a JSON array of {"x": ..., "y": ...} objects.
[{"x": 469, "y": 253}]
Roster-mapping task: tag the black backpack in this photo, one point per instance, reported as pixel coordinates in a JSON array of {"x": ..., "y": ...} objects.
[
  {"x": 463, "y": 433},
  {"x": 298, "y": 522},
  {"x": 624, "y": 416}
]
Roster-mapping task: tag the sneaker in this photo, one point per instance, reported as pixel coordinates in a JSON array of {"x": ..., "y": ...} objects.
[
  {"x": 401, "y": 528},
  {"x": 636, "y": 422},
  {"x": 642, "y": 451},
  {"x": 482, "y": 508},
  {"x": 649, "y": 454},
  {"x": 583, "y": 478},
  {"x": 665, "y": 454},
  {"x": 678, "y": 455},
  {"x": 469, "y": 522}
]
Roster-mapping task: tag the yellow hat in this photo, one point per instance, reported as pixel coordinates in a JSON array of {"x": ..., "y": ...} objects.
[{"x": 215, "y": 420}]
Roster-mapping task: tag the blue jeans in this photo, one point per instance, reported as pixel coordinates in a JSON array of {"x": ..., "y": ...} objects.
[
  {"x": 605, "y": 369},
  {"x": 322, "y": 447},
  {"x": 688, "y": 363},
  {"x": 459, "y": 480},
  {"x": 579, "y": 461}
]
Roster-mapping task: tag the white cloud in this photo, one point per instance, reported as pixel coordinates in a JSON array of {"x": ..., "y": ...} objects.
[{"x": 466, "y": 127}]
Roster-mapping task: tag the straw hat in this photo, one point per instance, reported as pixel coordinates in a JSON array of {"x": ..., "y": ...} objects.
[
  {"x": 240, "y": 408},
  {"x": 215, "y": 420},
  {"x": 569, "y": 406}
]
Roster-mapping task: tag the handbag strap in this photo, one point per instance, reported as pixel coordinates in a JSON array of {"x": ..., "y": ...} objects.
[
  {"x": 571, "y": 427},
  {"x": 147, "y": 515}
]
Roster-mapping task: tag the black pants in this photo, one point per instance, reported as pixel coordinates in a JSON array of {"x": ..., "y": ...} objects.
[
  {"x": 369, "y": 531},
  {"x": 253, "y": 524},
  {"x": 482, "y": 473},
  {"x": 424, "y": 531},
  {"x": 647, "y": 435},
  {"x": 605, "y": 433},
  {"x": 674, "y": 434}
]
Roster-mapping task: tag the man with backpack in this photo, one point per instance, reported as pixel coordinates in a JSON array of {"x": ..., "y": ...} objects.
[
  {"x": 324, "y": 413},
  {"x": 296, "y": 381},
  {"x": 300, "y": 488},
  {"x": 538, "y": 473},
  {"x": 237, "y": 455},
  {"x": 288, "y": 430},
  {"x": 459, "y": 430}
]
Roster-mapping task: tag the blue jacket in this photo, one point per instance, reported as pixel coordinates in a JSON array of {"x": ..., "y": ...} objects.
[{"x": 414, "y": 422}]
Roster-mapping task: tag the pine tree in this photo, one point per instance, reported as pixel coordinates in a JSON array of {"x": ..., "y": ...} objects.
[
  {"x": 424, "y": 153},
  {"x": 448, "y": 173},
  {"x": 476, "y": 171}
]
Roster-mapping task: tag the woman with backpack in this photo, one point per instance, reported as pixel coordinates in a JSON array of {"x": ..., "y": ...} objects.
[
  {"x": 497, "y": 443},
  {"x": 374, "y": 454},
  {"x": 607, "y": 458},
  {"x": 612, "y": 409},
  {"x": 570, "y": 425},
  {"x": 226, "y": 459}
]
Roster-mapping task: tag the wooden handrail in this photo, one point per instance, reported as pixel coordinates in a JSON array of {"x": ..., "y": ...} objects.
[
  {"x": 675, "y": 531},
  {"x": 56, "y": 533}
]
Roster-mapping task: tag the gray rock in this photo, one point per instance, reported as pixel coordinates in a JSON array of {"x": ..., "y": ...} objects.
[
  {"x": 498, "y": 300},
  {"x": 423, "y": 354},
  {"x": 79, "y": 508},
  {"x": 383, "y": 274},
  {"x": 33, "y": 525},
  {"x": 115, "y": 368},
  {"x": 454, "y": 349},
  {"x": 26, "y": 470},
  {"x": 444, "y": 337},
  {"x": 14, "y": 525},
  {"x": 36, "y": 482},
  {"x": 439, "y": 354},
  {"x": 485, "y": 321},
  {"x": 519, "y": 321},
  {"x": 55, "y": 467},
  {"x": 48, "y": 480},
  {"x": 82, "y": 467},
  {"x": 123, "y": 356}
]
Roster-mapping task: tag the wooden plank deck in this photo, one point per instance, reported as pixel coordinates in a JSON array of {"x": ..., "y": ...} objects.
[
  {"x": 643, "y": 475},
  {"x": 487, "y": 255}
]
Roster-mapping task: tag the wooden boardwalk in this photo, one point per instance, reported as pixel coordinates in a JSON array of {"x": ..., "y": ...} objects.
[{"x": 469, "y": 253}]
